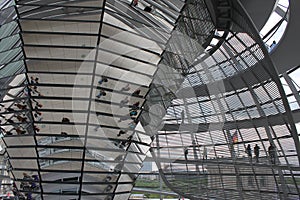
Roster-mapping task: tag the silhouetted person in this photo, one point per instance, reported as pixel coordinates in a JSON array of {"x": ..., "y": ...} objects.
[
  {"x": 249, "y": 152},
  {"x": 271, "y": 151},
  {"x": 256, "y": 152},
  {"x": 186, "y": 152}
]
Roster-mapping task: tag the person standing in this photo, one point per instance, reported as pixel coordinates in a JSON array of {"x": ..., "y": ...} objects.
[
  {"x": 271, "y": 151},
  {"x": 186, "y": 152},
  {"x": 249, "y": 152},
  {"x": 256, "y": 152}
]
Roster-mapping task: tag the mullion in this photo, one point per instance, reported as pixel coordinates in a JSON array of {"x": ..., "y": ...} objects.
[
  {"x": 81, "y": 60},
  {"x": 90, "y": 100}
]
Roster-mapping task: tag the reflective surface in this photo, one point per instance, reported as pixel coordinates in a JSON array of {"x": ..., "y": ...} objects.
[{"x": 89, "y": 87}]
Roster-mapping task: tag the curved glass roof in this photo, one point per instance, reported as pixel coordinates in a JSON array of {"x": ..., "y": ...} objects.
[
  {"x": 275, "y": 27},
  {"x": 91, "y": 88}
]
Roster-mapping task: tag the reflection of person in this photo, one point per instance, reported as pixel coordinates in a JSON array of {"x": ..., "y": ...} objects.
[
  {"x": 101, "y": 93},
  {"x": 34, "y": 183},
  {"x": 118, "y": 168},
  {"x": 34, "y": 80},
  {"x": 20, "y": 131},
  {"x": 204, "y": 153},
  {"x": 103, "y": 79},
  {"x": 125, "y": 88},
  {"x": 29, "y": 196},
  {"x": 133, "y": 124},
  {"x": 108, "y": 188},
  {"x": 107, "y": 179},
  {"x": 136, "y": 93},
  {"x": 135, "y": 106},
  {"x": 182, "y": 116},
  {"x": 25, "y": 181},
  {"x": 108, "y": 198},
  {"x": 21, "y": 119},
  {"x": 133, "y": 113},
  {"x": 124, "y": 118},
  {"x": 37, "y": 129},
  {"x": 121, "y": 132},
  {"x": 123, "y": 102},
  {"x": 20, "y": 106}
]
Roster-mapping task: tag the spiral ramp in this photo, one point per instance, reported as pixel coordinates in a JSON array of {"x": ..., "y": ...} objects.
[{"x": 237, "y": 100}]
